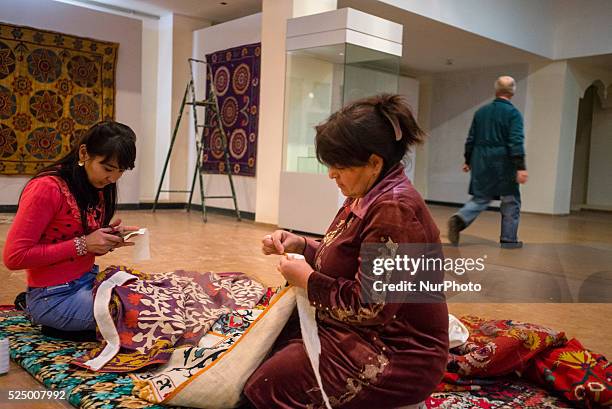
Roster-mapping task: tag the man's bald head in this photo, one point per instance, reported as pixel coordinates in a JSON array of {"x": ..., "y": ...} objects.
[{"x": 505, "y": 86}]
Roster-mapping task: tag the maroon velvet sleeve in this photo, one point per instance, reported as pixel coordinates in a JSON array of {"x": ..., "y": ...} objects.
[{"x": 387, "y": 220}]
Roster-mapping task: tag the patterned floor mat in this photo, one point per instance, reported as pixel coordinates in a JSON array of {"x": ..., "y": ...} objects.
[{"x": 48, "y": 360}]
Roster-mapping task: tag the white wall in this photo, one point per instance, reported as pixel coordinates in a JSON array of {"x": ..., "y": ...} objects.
[
  {"x": 567, "y": 141},
  {"x": 409, "y": 88},
  {"x": 148, "y": 165},
  {"x": 582, "y": 28},
  {"x": 65, "y": 18},
  {"x": 455, "y": 99},
  {"x": 580, "y": 174},
  {"x": 600, "y": 165},
  {"x": 554, "y": 92},
  {"x": 524, "y": 24},
  {"x": 246, "y": 30},
  {"x": 556, "y": 29},
  {"x": 421, "y": 163}
]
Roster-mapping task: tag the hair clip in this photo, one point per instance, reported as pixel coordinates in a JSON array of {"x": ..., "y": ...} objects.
[{"x": 396, "y": 128}]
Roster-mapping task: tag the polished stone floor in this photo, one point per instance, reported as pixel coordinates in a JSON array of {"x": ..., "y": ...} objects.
[{"x": 561, "y": 278}]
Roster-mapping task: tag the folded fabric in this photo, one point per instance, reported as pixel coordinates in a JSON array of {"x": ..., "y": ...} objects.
[
  {"x": 579, "y": 375},
  {"x": 500, "y": 347},
  {"x": 143, "y": 317}
]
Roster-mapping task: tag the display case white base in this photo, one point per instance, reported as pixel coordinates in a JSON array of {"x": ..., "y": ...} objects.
[{"x": 308, "y": 202}]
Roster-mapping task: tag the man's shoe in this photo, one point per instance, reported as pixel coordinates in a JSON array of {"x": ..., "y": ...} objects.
[
  {"x": 455, "y": 225},
  {"x": 511, "y": 244}
]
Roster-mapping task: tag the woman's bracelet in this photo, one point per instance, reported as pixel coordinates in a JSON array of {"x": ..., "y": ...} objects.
[
  {"x": 305, "y": 244},
  {"x": 81, "y": 246}
]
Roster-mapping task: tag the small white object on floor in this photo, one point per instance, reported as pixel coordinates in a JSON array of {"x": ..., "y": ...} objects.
[
  {"x": 310, "y": 332},
  {"x": 142, "y": 249},
  {"x": 4, "y": 356},
  {"x": 458, "y": 334}
]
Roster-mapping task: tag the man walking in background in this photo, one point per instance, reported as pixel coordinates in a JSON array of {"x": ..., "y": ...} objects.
[{"x": 495, "y": 154}]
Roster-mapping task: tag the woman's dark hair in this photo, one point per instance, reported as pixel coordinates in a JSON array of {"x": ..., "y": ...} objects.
[
  {"x": 109, "y": 140},
  {"x": 382, "y": 124}
]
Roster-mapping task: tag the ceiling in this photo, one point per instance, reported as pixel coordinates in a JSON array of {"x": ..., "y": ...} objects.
[
  {"x": 216, "y": 11},
  {"x": 429, "y": 46}
]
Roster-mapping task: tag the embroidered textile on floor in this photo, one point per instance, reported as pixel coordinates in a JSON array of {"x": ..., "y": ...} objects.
[{"x": 158, "y": 312}]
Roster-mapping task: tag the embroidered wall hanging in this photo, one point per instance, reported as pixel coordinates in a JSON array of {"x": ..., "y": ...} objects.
[
  {"x": 235, "y": 75},
  {"x": 53, "y": 87}
]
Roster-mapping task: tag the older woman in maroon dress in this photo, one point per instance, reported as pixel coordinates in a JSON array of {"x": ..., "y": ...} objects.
[{"x": 373, "y": 355}]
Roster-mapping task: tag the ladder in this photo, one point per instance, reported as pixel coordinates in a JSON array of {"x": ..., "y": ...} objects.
[{"x": 211, "y": 111}]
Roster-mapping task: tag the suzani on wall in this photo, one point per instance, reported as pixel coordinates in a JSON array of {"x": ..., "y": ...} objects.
[
  {"x": 53, "y": 87},
  {"x": 234, "y": 74}
]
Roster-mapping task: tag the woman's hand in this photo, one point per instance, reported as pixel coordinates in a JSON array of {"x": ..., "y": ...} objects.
[
  {"x": 103, "y": 240},
  {"x": 121, "y": 230},
  {"x": 281, "y": 242},
  {"x": 296, "y": 271}
]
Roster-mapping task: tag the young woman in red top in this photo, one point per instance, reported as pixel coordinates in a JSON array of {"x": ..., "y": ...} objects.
[
  {"x": 64, "y": 221},
  {"x": 374, "y": 354}
]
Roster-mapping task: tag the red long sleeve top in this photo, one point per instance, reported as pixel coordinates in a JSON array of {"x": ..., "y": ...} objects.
[{"x": 41, "y": 238}]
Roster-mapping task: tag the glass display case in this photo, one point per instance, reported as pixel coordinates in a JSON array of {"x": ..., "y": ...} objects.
[
  {"x": 333, "y": 58},
  {"x": 319, "y": 81}
]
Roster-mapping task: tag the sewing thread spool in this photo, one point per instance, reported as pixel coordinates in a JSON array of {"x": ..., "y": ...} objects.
[{"x": 4, "y": 356}]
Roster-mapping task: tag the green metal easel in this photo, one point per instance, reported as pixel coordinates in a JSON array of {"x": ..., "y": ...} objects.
[{"x": 211, "y": 111}]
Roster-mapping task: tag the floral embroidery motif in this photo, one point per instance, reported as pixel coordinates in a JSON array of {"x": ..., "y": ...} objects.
[
  {"x": 157, "y": 312},
  {"x": 577, "y": 359}
]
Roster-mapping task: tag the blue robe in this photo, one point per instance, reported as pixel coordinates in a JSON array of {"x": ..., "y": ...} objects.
[{"x": 495, "y": 142}]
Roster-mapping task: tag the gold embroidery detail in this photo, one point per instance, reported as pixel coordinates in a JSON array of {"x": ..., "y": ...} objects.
[
  {"x": 330, "y": 237},
  {"x": 349, "y": 316},
  {"x": 389, "y": 249},
  {"x": 355, "y": 385}
]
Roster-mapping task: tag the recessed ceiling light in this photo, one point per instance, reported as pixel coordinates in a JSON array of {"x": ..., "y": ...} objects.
[{"x": 340, "y": 53}]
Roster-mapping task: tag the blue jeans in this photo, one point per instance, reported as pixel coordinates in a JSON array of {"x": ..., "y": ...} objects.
[
  {"x": 510, "y": 209},
  {"x": 67, "y": 307}
]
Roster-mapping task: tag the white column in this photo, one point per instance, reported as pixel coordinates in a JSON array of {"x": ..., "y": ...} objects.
[
  {"x": 147, "y": 157},
  {"x": 308, "y": 7},
  {"x": 164, "y": 100},
  {"x": 272, "y": 97},
  {"x": 182, "y": 162},
  {"x": 551, "y": 112}
]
